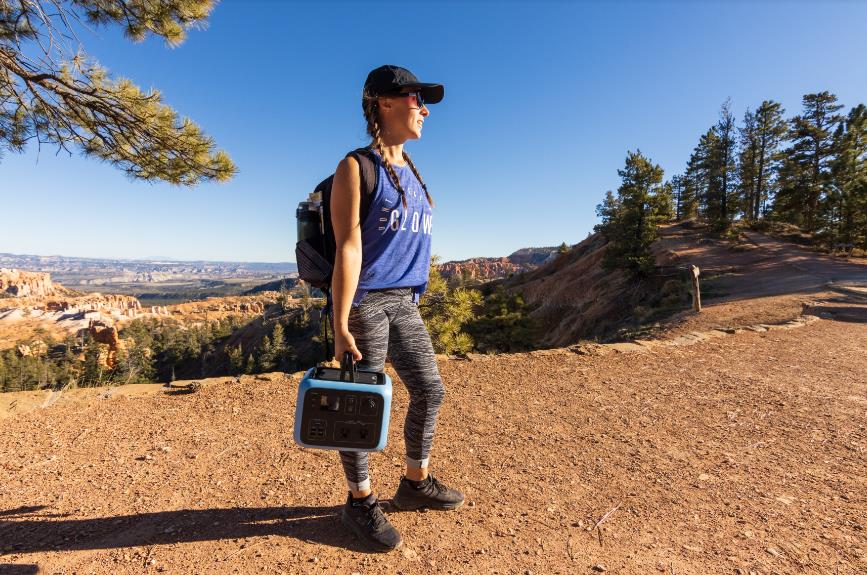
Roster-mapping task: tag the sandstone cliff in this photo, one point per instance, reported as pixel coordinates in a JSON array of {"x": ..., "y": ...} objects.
[
  {"x": 487, "y": 269},
  {"x": 18, "y": 283}
]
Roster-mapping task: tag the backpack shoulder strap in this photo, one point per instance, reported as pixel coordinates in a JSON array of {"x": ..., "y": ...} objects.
[{"x": 369, "y": 177}]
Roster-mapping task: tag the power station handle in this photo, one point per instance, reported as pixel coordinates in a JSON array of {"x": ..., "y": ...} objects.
[{"x": 347, "y": 364}]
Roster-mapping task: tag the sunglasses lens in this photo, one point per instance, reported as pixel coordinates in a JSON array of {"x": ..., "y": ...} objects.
[{"x": 416, "y": 98}]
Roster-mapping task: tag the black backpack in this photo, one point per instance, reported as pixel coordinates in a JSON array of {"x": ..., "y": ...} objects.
[{"x": 315, "y": 249}]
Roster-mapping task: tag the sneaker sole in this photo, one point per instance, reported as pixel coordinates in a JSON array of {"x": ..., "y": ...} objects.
[
  {"x": 437, "y": 507},
  {"x": 371, "y": 543}
]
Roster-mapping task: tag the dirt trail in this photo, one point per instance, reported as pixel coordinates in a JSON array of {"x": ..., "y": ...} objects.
[
  {"x": 763, "y": 281},
  {"x": 743, "y": 452}
]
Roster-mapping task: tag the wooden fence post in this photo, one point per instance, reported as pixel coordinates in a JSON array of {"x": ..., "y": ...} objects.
[{"x": 696, "y": 292}]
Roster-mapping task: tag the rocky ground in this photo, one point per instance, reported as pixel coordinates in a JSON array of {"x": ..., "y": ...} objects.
[{"x": 744, "y": 453}]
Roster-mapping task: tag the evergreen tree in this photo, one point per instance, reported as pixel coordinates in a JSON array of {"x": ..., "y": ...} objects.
[
  {"x": 609, "y": 209},
  {"x": 679, "y": 191},
  {"x": 446, "y": 313},
  {"x": 92, "y": 370},
  {"x": 504, "y": 324},
  {"x": 847, "y": 205},
  {"x": 282, "y": 355},
  {"x": 770, "y": 129},
  {"x": 701, "y": 171},
  {"x": 711, "y": 171},
  {"x": 748, "y": 165},
  {"x": 691, "y": 195},
  {"x": 267, "y": 356},
  {"x": 52, "y": 92},
  {"x": 805, "y": 176},
  {"x": 724, "y": 168},
  {"x": 236, "y": 359},
  {"x": 630, "y": 220},
  {"x": 139, "y": 363}
]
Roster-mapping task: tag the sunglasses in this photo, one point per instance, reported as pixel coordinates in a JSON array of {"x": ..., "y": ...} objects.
[{"x": 418, "y": 97}]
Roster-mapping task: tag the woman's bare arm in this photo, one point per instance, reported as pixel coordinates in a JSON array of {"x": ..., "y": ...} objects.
[{"x": 345, "y": 218}]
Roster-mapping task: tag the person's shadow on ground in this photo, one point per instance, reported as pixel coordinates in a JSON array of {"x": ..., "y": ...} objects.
[
  {"x": 25, "y": 531},
  {"x": 12, "y": 569}
]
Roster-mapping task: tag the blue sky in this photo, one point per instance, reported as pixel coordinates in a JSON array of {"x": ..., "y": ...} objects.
[{"x": 543, "y": 100}]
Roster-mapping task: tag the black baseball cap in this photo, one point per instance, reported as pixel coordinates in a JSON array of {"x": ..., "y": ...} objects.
[{"x": 389, "y": 80}]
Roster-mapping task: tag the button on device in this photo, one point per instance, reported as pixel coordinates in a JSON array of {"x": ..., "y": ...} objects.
[
  {"x": 369, "y": 406},
  {"x": 350, "y": 404}
]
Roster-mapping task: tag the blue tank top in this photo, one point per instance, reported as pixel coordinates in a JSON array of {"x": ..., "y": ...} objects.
[{"x": 395, "y": 241}]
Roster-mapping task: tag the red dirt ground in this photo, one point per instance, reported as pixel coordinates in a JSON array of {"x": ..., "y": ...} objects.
[
  {"x": 745, "y": 452},
  {"x": 742, "y": 454}
]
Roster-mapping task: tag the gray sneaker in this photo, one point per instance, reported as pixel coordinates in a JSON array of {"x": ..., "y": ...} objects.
[
  {"x": 429, "y": 493},
  {"x": 364, "y": 517}
]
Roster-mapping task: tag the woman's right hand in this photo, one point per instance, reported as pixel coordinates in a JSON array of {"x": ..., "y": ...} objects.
[{"x": 343, "y": 342}]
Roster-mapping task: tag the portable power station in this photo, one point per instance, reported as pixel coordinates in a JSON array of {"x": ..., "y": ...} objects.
[{"x": 346, "y": 409}]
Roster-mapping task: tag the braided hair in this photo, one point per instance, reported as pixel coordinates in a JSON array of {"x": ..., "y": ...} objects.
[{"x": 370, "y": 106}]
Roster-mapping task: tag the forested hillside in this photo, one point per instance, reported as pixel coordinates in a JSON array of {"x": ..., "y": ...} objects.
[{"x": 809, "y": 170}]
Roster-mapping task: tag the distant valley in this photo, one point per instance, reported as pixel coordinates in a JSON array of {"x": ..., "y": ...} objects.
[{"x": 162, "y": 282}]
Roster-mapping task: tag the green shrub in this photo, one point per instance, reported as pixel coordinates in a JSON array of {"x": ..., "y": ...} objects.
[
  {"x": 446, "y": 313},
  {"x": 503, "y": 324}
]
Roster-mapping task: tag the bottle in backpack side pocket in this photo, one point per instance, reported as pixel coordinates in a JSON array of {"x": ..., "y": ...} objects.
[
  {"x": 311, "y": 250},
  {"x": 315, "y": 247},
  {"x": 309, "y": 218}
]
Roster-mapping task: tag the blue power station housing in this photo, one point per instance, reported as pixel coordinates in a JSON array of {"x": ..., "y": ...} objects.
[{"x": 332, "y": 413}]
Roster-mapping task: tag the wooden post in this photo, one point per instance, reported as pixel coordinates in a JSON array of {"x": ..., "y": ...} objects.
[{"x": 696, "y": 292}]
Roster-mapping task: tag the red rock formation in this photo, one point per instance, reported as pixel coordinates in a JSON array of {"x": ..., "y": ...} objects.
[
  {"x": 106, "y": 334},
  {"x": 487, "y": 269},
  {"x": 23, "y": 284},
  {"x": 481, "y": 269}
]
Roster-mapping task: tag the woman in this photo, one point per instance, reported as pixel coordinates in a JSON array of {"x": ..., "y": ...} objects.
[{"x": 380, "y": 271}]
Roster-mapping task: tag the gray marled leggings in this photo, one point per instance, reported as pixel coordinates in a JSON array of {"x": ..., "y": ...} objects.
[{"x": 389, "y": 321}]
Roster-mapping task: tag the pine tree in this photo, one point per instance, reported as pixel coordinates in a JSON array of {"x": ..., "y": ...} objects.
[
  {"x": 630, "y": 220},
  {"x": 266, "y": 355},
  {"x": 770, "y": 128},
  {"x": 724, "y": 166},
  {"x": 609, "y": 209},
  {"x": 52, "y": 92},
  {"x": 748, "y": 165},
  {"x": 700, "y": 170},
  {"x": 679, "y": 191},
  {"x": 139, "y": 364},
  {"x": 690, "y": 195},
  {"x": 806, "y": 172},
  {"x": 236, "y": 359},
  {"x": 847, "y": 206},
  {"x": 92, "y": 370},
  {"x": 281, "y": 351},
  {"x": 446, "y": 313},
  {"x": 712, "y": 171},
  {"x": 504, "y": 325}
]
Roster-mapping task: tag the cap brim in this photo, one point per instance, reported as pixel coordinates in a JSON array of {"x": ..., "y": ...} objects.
[{"x": 432, "y": 93}]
